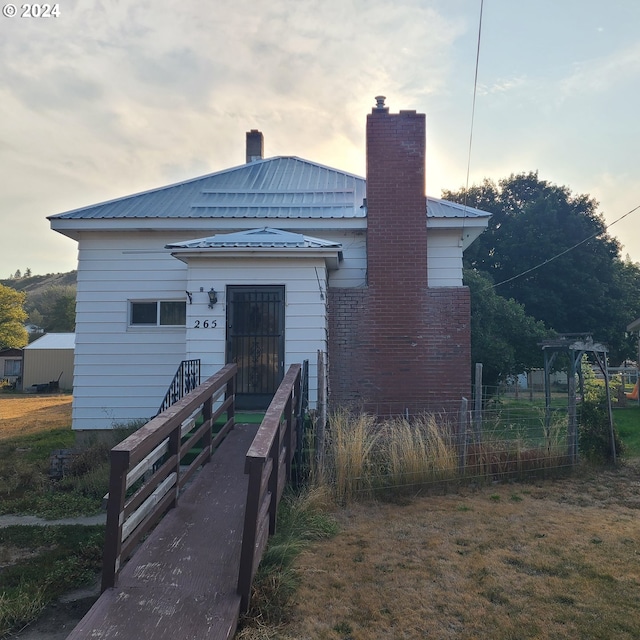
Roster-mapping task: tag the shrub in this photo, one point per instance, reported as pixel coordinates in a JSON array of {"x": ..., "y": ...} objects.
[{"x": 594, "y": 430}]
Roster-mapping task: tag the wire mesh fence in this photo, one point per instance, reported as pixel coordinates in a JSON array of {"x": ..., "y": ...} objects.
[{"x": 505, "y": 434}]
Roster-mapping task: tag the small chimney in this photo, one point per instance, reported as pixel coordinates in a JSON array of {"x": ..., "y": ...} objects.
[{"x": 255, "y": 145}]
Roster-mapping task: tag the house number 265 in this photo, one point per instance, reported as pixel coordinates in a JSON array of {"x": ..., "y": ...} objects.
[{"x": 205, "y": 324}]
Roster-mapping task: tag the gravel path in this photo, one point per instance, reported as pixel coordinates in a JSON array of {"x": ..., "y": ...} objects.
[{"x": 9, "y": 520}]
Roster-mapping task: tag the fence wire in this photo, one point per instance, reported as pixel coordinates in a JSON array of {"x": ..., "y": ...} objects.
[{"x": 513, "y": 434}]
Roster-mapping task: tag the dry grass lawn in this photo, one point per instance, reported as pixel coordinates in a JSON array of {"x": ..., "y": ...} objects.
[
  {"x": 551, "y": 559},
  {"x": 27, "y": 414}
]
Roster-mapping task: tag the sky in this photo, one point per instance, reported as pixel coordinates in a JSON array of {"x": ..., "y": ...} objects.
[{"x": 110, "y": 98}]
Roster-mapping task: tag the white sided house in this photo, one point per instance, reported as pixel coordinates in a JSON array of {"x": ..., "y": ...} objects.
[{"x": 235, "y": 266}]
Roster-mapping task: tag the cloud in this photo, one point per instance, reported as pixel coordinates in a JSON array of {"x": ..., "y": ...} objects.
[{"x": 602, "y": 74}]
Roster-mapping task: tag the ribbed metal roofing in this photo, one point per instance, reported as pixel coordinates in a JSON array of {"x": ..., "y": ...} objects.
[
  {"x": 437, "y": 208},
  {"x": 257, "y": 238},
  {"x": 280, "y": 187}
]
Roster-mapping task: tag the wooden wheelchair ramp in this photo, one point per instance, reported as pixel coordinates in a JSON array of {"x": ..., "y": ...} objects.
[{"x": 181, "y": 583}]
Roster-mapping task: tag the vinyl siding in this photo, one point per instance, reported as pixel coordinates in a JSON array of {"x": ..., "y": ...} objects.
[
  {"x": 444, "y": 258},
  {"x": 121, "y": 373}
]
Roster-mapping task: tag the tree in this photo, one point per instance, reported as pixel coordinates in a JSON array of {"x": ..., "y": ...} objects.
[
  {"x": 503, "y": 337},
  {"x": 582, "y": 285},
  {"x": 13, "y": 335},
  {"x": 54, "y": 308}
]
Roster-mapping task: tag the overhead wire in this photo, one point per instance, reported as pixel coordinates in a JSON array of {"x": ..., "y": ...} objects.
[
  {"x": 558, "y": 255},
  {"x": 473, "y": 104},
  {"x": 466, "y": 189}
]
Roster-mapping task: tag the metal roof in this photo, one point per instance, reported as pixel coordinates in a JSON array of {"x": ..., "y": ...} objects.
[
  {"x": 437, "y": 208},
  {"x": 257, "y": 238},
  {"x": 280, "y": 187},
  {"x": 54, "y": 341}
]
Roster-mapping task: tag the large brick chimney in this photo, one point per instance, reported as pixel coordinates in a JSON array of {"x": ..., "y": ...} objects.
[
  {"x": 396, "y": 202},
  {"x": 398, "y": 345}
]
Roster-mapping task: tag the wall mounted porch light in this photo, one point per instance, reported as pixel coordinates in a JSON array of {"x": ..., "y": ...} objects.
[{"x": 213, "y": 297}]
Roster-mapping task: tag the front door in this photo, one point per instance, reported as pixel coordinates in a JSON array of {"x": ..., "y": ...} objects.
[{"x": 255, "y": 342}]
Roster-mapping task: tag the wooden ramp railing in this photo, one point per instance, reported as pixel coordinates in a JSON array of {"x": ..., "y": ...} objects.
[
  {"x": 268, "y": 465},
  {"x": 192, "y": 575},
  {"x": 153, "y": 457}
]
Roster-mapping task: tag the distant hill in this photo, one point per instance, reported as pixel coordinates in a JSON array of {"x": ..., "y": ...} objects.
[{"x": 37, "y": 284}]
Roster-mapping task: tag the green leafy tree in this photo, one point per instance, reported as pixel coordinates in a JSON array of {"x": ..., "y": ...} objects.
[
  {"x": 584, "y": 286},
  {"x": 13, "y": 335},
  {"x": 503, "y": 337},
  {"x": 54, "y": 308}
]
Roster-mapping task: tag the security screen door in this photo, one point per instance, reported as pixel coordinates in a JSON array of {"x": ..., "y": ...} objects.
[{"x": 255, "y": 342}]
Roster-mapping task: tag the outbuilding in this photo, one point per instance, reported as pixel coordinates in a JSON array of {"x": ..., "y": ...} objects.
[
  {"x": 11, "y": 367},
  {"x": 48, "y": 363}
]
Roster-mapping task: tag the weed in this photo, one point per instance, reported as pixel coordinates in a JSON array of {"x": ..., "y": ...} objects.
[
  {"x": 20, "y": 607},
  {"x": 343, "y": 628}
]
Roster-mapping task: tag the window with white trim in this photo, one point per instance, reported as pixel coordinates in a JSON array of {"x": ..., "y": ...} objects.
[{"x": 154, "y": 313}]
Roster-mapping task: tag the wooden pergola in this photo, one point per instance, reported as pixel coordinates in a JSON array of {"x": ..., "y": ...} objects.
[{"x": 575, "y": 346}]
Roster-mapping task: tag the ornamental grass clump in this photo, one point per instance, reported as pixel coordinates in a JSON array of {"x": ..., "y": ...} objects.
[
  {"x": 350, "y": 461},
  {"x": 418, "y": 452},
  {"x": 365, "y": 457}
]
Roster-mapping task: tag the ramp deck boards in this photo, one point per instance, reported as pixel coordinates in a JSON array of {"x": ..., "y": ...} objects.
[{"x": 181, "y": 582}]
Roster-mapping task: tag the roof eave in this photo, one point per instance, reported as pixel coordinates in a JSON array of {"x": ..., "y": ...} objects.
[
  {"x": 72, "y": 227},
  {"x": 331, "y": 255}
]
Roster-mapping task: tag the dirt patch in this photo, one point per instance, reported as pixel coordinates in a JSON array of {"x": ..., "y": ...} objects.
[
  {"x": 23, "y": 415},
  {"x": 546, "y": 559}
]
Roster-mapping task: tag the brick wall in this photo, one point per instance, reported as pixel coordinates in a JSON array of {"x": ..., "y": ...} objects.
[
  {"x": 397, "y": 344},
  {"x": 388, "y": 376}
]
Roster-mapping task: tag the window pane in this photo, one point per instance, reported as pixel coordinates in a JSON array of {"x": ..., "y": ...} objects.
[
  {"x": 173, "y": 313},
  {"x": 144, "y": 313},
  {"x": 12, "y": 367}
]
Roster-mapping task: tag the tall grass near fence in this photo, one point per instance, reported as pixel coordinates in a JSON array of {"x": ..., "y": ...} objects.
[
  {"x": 417, "y": 452},
  {"x": 365, "y": 457}
]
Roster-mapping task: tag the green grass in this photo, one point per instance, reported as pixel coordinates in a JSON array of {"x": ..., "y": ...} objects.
[
  {"x": 243, "y": 417},
  {"x": 25, "y": 486},
  {"x": 52, "y": 560},
  {"x": 510, "y": 419},
  {"x": 627, "y": 422},
  {"x": 302, "y": 518},
  {"x": 36, "y": 447}
]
